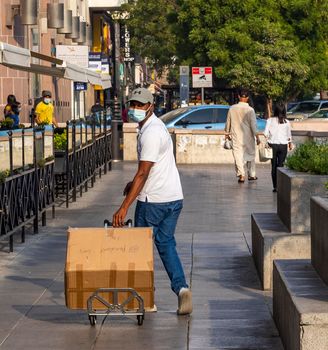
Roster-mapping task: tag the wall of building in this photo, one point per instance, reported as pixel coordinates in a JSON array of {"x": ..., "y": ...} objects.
[
  {"x": 26, "y": 87},
  {"x": 12, "y": 81}
]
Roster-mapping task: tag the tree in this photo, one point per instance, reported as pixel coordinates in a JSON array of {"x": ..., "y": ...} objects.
[
  {"x": 276, "y": 48},
  {"x": 151, "y": 34}
]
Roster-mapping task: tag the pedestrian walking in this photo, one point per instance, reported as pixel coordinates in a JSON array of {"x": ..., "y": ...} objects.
[
  {"x": 44, "y": 110},
  {"x": 241, "y": 129},
  {"x": 157, "y": 188},
  {"x": 279, "y": 137}
]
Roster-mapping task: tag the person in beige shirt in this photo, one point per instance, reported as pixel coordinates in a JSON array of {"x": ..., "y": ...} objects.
[{"x": 241, "y": 129}]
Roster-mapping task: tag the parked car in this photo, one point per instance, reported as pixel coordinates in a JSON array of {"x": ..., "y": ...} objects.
[
  {"x": 210, "y": 117},
  {"x": 305, "y": 109},
  {"x": 322, "y": 114}
]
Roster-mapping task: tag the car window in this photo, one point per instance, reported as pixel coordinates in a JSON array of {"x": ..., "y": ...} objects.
[
  {"x": 201, "y": 116},
  {"x": 220, "y": 115},
  {"x": 324, "y": 105},
  {"x": 320, "y": 114},
  {"x": 305, "y": 107},
  {"x": 168, "y": 117}
]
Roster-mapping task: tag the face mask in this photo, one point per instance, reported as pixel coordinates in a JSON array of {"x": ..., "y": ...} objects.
[
  {"x": 47, "y": 100},
  {"x": 137, "y": 115}
]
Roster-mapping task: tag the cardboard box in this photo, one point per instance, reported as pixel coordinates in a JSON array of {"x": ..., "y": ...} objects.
[{"x": 109, "y": 258}]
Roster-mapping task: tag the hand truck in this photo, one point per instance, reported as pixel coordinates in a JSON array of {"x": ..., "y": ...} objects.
[{"x": 116, "y": 308}]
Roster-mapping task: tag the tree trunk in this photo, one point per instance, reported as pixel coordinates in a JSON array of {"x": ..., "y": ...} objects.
[{"x": 268, "y": 107}]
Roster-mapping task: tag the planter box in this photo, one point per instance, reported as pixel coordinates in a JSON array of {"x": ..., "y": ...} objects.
[
  {"x": 319, "y": 236},
  {"x": 293, "y": 201},
  {"x": 60, "y": 162}
]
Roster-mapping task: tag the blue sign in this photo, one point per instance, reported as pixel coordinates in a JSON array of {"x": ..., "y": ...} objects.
[{"x": 80, "y": 86}]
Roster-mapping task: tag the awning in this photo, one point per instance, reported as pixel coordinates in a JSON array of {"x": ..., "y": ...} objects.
[
  {"x": 15, "y": 56},
  {"x": 106, "y": 81},
  {"x": 74, "y": 72},
  {"x": 93, "y": 77},
  {"x": 19, "y": 58}
]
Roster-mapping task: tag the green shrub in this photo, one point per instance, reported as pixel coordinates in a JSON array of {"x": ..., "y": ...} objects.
[
  {"x": 7, "y": 123},
  {"x": 309, "y": 158},
  {"x": 3, "y": 175},
  {"x": 60, "y": 141}
]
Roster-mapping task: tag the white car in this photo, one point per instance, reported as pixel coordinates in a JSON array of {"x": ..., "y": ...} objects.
[{"x": 305, "y": 109}]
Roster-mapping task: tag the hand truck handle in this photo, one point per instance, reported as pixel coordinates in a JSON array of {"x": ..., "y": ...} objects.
[{"x": 108, "y": 223}]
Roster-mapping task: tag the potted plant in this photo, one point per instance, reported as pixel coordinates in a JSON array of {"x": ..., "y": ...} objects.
[
  {"x": 7, "y": 124},
  {"x": 60, "y": 144}
]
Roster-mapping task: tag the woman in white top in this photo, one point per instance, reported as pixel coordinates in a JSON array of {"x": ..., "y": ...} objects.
[{"x": 278, "y": 134}]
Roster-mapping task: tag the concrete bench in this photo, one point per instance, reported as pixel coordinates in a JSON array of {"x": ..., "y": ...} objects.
[
  {"x": 319, "y": 236},
  {"x": 272, "y": 240},
  {"x": 300, "y": 305}
]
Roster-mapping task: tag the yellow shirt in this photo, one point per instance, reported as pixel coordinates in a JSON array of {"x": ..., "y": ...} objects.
[{"x": 44, "y": 113}]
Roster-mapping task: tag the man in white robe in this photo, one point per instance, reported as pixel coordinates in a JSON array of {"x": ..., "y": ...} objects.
[{"x": 241, "y": 129}]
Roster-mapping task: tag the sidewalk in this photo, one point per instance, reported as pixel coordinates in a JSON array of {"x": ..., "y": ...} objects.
[{"x": 213, "y": 235}]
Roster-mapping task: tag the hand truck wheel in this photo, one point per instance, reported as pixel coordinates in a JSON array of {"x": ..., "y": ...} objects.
[
  {"x": 93, "y": 320},
  {"x": 140, "y": 319}
]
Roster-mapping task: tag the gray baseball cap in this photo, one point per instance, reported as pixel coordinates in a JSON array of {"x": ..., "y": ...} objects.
[{"x": 141, "y": 95}]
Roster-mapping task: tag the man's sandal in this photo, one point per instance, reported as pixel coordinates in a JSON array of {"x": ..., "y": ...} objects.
[
  {"x": 252, "y": 178},
  {"x": 241, "y": 179}
]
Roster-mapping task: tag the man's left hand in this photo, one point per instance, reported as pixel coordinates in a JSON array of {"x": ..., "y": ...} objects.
[{"x": 119, "y": 217}]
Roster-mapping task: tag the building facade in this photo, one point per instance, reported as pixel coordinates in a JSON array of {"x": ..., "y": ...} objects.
[{"x": 39, "y": 37}]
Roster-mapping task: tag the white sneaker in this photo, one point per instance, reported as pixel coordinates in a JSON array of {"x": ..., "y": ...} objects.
[{"x": 184, "y": 302}]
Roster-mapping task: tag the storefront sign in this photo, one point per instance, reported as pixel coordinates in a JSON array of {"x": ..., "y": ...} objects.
[
  {"x": 95, "y": 61},
  {"x": 73, "y": 54},
  {"x": 79, "y": 86},
  {"x": 104, "y": 64},
  {"x": 125, "y": 44}
]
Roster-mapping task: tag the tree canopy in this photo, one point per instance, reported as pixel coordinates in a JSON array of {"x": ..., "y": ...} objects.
[{"x": 276, "y": 48}]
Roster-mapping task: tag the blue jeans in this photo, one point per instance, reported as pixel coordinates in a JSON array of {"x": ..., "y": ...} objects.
[{"x": 163, "y": 217}]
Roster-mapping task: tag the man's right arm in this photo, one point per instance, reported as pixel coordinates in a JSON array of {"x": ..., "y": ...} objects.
[
  {"x": 133, "y": 191},
  {"x": 227, "y": 128}
]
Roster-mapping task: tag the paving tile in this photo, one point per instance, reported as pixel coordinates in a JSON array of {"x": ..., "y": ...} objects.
[{"x": 213, "y": 239}]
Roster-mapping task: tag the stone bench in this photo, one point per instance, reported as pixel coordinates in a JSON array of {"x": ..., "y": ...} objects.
[
  {"x": 272, "y": 240},
  {"x": 300, "y": 305},
  {"x": 285, "y": 234},
  {"x": 300, "y": 289}
]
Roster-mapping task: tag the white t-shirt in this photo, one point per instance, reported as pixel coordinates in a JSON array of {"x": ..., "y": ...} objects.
[
  {"x": 277, "y": 133},
  {"x": 155, "y": 145}
]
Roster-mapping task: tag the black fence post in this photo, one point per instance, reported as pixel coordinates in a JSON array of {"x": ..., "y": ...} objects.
[
  {"x": 41, "y": 171},
  {"x": 93, "y": 153},
  {"x": 74, "y": 159},
  {"x": 105, "y": 144},
  {"x": 36, "y": 186},
  {"x": 23, "y": 149},
  {"x": 68, "y": 175},
  {"x": 11, "y": 162},
  {"x": 53, "y": 209}
]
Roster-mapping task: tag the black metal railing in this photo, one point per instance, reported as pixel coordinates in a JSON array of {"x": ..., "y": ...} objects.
[
  {"x": 33, "y": 173},
  {"x": 87, "y": 153},
  {"x": 26, "y": 181}
]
